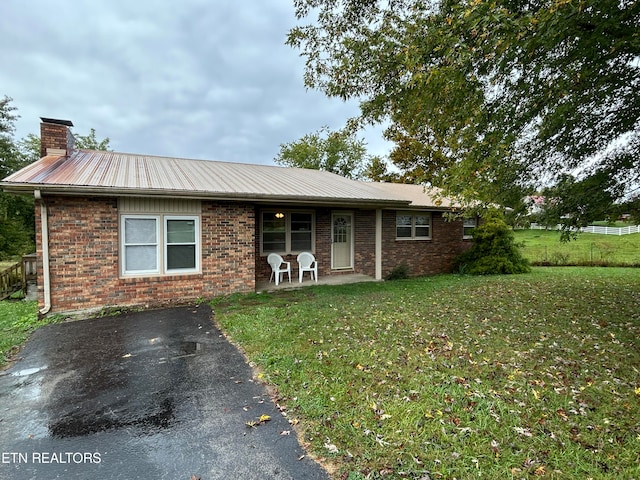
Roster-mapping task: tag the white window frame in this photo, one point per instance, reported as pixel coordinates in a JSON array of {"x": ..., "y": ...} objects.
[
  {"x": 413, "y": 215},
  {"x": 287, "y": 236},
  {"x": 196, "y": 244},
  {"x": 466, "y": 224},
  {"x": 124, "y": 245},
  {"x": 161, "y": 245}
]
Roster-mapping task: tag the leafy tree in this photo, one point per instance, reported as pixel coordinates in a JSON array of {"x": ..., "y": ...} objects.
[
  {"x": 488, "y": 99},
  {"x": 10, "y": 160},
  {"x": 376, "y": 169},
  {"x": 631, "y": 208},
  {"x": 494, "y": 250},
  {"x": 17, "y": 227},
  {"x": 29, "y": 148},
  {"x": 90, "y": 142},
  {"x": 338, "y": 152},
  {"x": 585, "y": 200}
]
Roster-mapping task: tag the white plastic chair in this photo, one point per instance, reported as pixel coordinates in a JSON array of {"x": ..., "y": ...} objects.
[
  {"x": 307, "y": 263},
  {"x": 278, "y": 267}
]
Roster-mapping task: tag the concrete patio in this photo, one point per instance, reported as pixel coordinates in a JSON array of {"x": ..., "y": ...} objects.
[{"x": 265, "y": 286}]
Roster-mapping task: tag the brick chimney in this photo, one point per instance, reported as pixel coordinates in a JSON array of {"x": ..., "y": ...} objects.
[{"x": 55, "y": 137}]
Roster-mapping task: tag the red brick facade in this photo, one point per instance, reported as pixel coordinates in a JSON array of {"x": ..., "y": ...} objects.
[
  {"x": 52, "y": 135},
  {"x": 84, "y": 252},
  {"x": 84, "y": 257},
  {"x": 422, "y": 257}
]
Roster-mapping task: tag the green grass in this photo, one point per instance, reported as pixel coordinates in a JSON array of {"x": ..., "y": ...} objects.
[
  {"x": 18, "y": 319},
  {"x": 528, "y": 376},
  {"x": 543, "y": 247}
]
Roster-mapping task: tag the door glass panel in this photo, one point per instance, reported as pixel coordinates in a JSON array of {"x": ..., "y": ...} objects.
[{"x": 340, "y": 230}]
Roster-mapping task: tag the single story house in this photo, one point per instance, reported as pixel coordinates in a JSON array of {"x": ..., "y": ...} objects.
[{"x": 118, "y": 229}]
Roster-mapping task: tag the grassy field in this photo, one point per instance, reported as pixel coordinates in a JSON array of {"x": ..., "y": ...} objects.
[
  {"x": 528, "y": 376},
  {"x": 543, "y": 247}
]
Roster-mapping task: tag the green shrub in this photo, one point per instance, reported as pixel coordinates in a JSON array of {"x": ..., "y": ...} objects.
[
  {"x": 399, "y": 272},
  {"x": 494, "y": 250}
]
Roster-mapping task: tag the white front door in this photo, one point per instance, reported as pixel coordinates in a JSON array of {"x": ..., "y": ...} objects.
[{"x": 342, "y": 240}]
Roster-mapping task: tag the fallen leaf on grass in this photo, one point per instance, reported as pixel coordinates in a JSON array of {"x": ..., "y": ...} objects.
[{"x": 523, "y": 431}]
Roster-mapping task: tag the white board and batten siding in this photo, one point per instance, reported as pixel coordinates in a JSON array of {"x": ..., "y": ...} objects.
[{"x": 167, "y": 206}]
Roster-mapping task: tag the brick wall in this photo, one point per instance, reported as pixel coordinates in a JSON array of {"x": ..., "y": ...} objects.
[
  {"x": 423, "y": 257},
  {"x": 53, "y": 135},
  {"x": 364, "y": 248},
  {"x": 365, "y": 242},
  {"x": 84, "y": 253}
]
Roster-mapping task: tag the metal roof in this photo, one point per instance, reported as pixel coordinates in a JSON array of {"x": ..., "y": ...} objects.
[
  {"x": 417, "y": 195},
  {"x": 112, "y": 173}
]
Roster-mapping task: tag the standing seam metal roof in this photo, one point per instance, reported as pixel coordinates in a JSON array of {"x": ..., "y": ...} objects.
[{"x": 88, "y": 171}]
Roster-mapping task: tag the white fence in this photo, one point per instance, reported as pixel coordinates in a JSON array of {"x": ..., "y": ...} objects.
[{"x": 595, "y": 229}]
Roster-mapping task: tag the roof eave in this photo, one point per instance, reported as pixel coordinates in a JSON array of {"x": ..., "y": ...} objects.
[{"x": 73, "y": 190}]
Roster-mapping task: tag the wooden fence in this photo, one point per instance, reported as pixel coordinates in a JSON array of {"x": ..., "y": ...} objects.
[{"x": 16, "y": 277}]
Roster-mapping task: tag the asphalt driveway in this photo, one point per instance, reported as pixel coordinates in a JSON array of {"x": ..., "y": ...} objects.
[{"x": 150, "y": 395}]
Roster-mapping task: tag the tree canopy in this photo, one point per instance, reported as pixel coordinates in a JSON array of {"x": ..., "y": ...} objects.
[
  {"x": 17, "y": 227},
  {"x": 488, "y": 99},
  {"x": 90, "y": 142},
  {"x": 337, "y": 152},
  {"x": 10, "y": 160}
]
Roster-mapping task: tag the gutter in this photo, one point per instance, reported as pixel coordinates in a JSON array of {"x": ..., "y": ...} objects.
[
  {"x": 46, "y": 280},
  {"x": 262, "y": 198}
]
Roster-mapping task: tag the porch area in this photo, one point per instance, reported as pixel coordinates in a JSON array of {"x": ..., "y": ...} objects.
[{"x": 265, "y": 286}]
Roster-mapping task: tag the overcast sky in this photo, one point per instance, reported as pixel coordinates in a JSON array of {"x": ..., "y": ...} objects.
[{"x": 196, "y": 78}]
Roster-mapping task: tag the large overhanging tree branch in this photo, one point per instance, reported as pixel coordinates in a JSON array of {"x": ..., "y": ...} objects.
[{"x": 487, "y": 98}]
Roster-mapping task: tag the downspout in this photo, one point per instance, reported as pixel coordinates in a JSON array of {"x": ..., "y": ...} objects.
[{"x": 46, "y": 282}]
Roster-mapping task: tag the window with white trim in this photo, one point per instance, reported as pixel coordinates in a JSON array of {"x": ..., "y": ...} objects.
[
  {"x": 412, "y": 225},
  {"x": 468, "y": 224},
  {"x": 160, "y": 244},
  {"x": 287, "y": 232},
  {"x": 181, "y": 246}
]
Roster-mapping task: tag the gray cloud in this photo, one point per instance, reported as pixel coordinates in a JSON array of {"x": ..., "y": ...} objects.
[{"x": 194, "y": 79}]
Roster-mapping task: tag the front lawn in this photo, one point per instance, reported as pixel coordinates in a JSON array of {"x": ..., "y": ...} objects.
[{"x": 528, "y": 376}]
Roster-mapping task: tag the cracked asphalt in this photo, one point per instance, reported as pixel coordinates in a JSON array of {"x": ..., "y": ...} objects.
[{"x": 159, "y": 394}]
